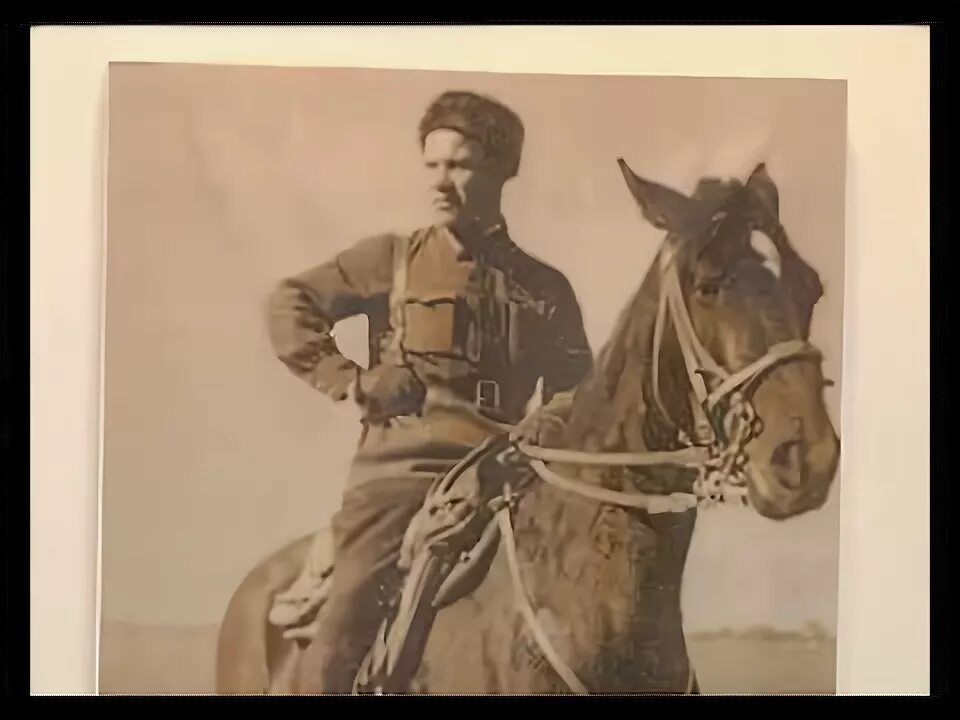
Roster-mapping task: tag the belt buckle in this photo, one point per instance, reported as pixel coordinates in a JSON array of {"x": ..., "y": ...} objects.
[{"x": 486, "y": 389}]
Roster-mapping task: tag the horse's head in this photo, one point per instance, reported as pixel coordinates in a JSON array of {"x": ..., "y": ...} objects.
[{"x": 742, "y": 302}]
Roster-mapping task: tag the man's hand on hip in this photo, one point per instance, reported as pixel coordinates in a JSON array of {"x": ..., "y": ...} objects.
[{"x": 388, "y": 391}]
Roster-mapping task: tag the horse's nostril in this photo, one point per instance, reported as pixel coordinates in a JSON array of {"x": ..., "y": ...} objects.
[{"x": 790, "y": 462}]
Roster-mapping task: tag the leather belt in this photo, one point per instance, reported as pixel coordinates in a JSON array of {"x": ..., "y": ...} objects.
[{"x": 484, "y": 393}]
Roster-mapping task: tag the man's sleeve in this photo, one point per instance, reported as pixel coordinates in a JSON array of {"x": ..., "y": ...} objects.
[
  {"x": 303, "y": 309},
  {"x": 568, "y": 358}
]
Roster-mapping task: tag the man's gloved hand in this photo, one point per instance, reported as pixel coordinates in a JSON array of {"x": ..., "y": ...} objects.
[
  {"x": 543, "y": 428},
  {"x": 387, "y": 391}
]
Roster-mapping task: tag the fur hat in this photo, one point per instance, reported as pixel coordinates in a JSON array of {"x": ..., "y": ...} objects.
[{"x": 495, "y": 126}]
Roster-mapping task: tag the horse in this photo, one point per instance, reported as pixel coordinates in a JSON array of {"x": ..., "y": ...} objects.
[{"x": 711, "y": 355}]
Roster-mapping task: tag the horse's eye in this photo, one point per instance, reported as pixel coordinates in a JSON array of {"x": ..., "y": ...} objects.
[{"x": 708, "y": 289}]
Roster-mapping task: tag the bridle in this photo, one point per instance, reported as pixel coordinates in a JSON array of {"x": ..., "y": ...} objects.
[{"x": 724, "y": 416}]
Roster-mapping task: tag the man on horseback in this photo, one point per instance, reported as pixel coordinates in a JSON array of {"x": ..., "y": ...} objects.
[{"x": 463, "y": 328}]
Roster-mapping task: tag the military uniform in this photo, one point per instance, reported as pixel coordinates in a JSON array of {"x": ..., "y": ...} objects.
[{"x": 460, "y": 333}]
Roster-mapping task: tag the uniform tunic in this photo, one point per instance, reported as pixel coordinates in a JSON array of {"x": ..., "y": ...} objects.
[
  {"x": 491, "y": 315},
  {"x": 479, "y": 326}
]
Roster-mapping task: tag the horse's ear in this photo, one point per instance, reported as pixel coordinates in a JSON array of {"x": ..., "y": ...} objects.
[
  {"x": 663, "y": 207},
  {"x": 765, "y": 188}
]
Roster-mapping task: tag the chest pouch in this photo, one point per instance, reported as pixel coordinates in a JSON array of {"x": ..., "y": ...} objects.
[{"x": 445, "y": 326}]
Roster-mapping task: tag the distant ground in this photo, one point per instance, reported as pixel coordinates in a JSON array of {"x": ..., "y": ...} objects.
[
  {"x": 157, "y": 660},
  {"x": 137, "y": 659},
  {"x": 738, "y": 665}
]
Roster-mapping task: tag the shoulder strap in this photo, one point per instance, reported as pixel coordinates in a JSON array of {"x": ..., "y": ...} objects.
[{"x": 398, "y": 289}]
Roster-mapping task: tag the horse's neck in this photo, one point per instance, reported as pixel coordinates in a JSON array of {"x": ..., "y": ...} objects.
[
  {"x": 578, "y": 553},
  {"x": 605, "y": 586},
  {"x": 613, "y": 408}
]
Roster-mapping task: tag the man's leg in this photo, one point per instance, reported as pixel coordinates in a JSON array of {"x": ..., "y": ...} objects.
[{"x": 369, "y": 531}]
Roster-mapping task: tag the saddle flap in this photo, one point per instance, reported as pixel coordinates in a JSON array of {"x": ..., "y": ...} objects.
[{"x": 471, "y": 568}]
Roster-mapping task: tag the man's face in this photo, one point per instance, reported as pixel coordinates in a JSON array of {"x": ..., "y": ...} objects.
[{"x": 464, "y": 185}]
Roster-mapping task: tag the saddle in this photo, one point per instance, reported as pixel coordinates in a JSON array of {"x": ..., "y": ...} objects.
[{"x": 446, "y": 552}]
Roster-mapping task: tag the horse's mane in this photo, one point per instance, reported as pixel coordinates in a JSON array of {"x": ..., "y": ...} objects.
[{"x": 612, "y": 408}]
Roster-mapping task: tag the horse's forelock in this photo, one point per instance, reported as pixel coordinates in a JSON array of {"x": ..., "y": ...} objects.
[
  {"x": 735, "y": 203},
  {"x": 801, "y": 282}
]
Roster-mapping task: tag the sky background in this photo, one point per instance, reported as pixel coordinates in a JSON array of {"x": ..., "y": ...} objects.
[{"x": 222, "y": 180}]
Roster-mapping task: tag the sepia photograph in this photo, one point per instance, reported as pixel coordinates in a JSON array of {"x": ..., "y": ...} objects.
[{"x": 435, "y": 382}]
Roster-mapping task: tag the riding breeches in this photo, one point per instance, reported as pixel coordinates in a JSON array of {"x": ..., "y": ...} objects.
[{"x": 368, "y": 533}]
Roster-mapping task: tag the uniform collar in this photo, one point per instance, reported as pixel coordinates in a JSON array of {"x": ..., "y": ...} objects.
[{"x": 479, "y": 247}]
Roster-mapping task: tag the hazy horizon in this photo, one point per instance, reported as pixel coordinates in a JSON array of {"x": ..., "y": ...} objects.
[{"x": 138, "y": 659}]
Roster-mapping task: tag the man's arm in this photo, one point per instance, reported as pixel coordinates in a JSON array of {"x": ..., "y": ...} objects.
[
  {"x": 303, "y": 310},
  {"x": 567, "y": 357}
]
